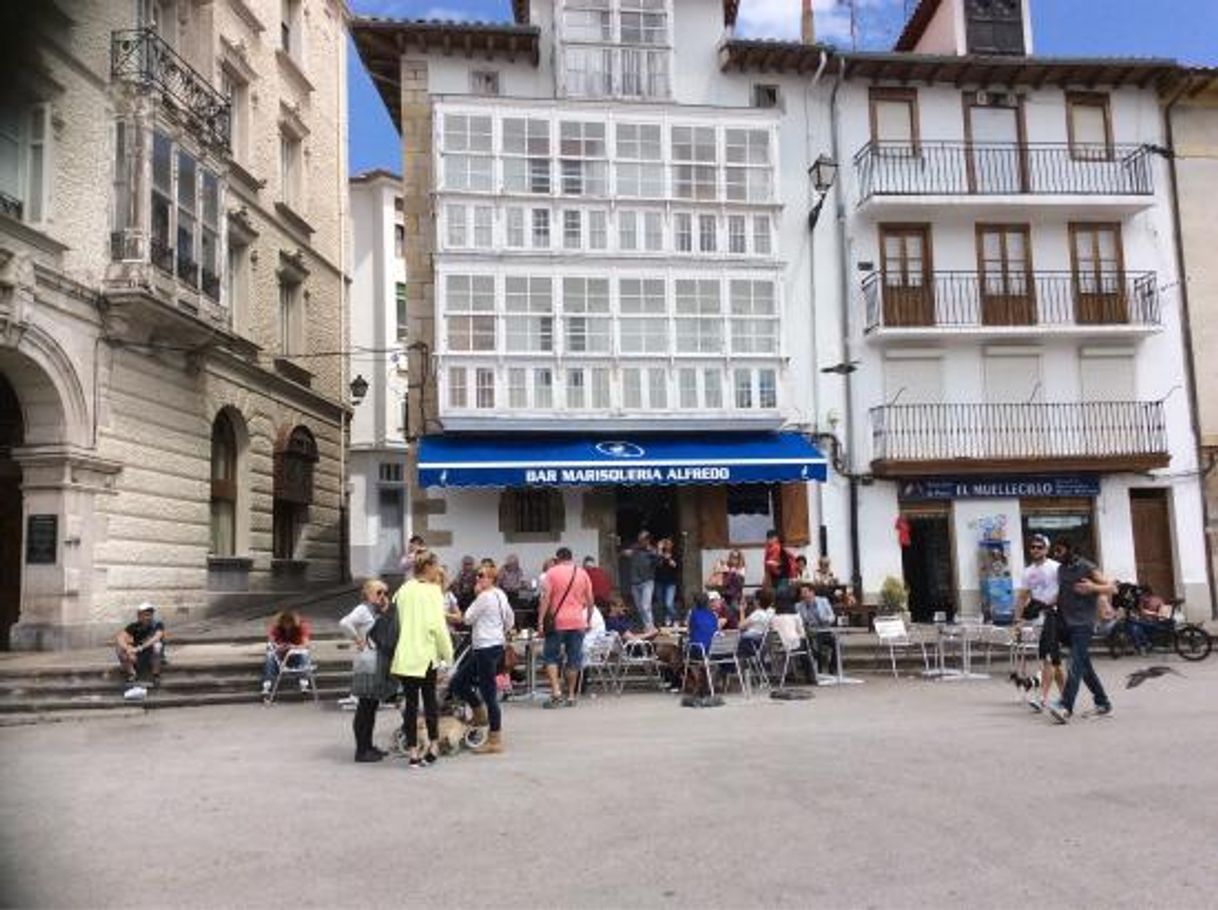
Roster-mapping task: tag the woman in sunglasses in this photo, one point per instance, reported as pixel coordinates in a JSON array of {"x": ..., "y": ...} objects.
[
  {"x": 370, "y": 681},
  {"x": 490, "y": 619}
]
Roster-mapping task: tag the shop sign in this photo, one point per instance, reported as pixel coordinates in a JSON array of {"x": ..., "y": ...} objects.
[{"x": 939, "y": 488}]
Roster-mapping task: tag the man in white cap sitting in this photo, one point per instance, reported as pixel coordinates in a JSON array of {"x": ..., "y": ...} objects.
[{"x": 140, "y": 645}]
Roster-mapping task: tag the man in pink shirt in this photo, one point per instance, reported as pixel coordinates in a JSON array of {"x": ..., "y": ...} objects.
[{"x": 566, "y": 592}]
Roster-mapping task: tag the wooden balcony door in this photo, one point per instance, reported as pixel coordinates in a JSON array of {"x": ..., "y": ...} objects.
[
  {"x": 1099, "y": 274},
  {"x": 1004, "y": 262},
  {"x": 997, "y": 156},
  {"x": 905, "y": 271}
]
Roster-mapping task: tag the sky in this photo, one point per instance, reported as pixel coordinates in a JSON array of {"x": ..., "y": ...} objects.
[{"x": 1185, "y": 30}]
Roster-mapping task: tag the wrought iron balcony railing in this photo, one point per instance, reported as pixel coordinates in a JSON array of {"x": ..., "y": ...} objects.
[
  {"x": 1102, "y": 431},
  {"x": 959, "y": 300},
  {"x": 1000, "y": 169},
  {"x": 11, "y": 206},
  {"x": 143, "y": 57}
]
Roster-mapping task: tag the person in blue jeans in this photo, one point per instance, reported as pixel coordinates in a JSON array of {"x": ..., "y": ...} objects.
[
  {"x": 1080, "y": 585},
  {"x": 641, "y": 567},
  {"x": 667, "y": 571}
]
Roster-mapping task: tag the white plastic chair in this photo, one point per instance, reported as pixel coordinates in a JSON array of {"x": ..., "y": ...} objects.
[
  {"x": 722, "y": 653},
  {"x": 892, "y": 634},
  {"x": 304, "y": 669},
  {"x": 601, "y": 663},
  {"x": 637, "y": 660}
]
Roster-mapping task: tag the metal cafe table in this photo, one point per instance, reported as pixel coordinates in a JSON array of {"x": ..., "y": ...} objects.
[
  {"x": 838, "y": 632},
  {"x": 962, "y": 636}
]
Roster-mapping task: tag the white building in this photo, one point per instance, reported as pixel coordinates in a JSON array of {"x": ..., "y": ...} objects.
[
  {"x": 606, "y": 243},
  {"x": 981, "y": 330},
  {"x": 1014, "y": 310},
  {"x": 378, "y": 504}
]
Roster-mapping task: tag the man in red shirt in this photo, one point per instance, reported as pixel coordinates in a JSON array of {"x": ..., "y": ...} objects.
[
  {"x": 778, "y": 563},
  {"x": 566, "y": 592},
  {"x": 602, "y": 587}
]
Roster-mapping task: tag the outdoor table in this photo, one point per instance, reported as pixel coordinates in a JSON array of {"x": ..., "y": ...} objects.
[
  {"x": 964, "y": 634},
  {"x": 840, "y": 679},
  {"x": 531, "y": 641}
]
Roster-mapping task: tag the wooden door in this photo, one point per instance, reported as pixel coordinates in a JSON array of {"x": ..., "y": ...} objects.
[
  {"x": 997, "y": 157},
  {"x": 1152, "y": 541},
  {"x": 1004, "y": 262},
  {"x": 905, "y": 267},
  {"x": 1099, "y": 274}
]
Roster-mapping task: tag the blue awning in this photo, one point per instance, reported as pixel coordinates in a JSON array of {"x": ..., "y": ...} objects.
[{"x": 632, "y": 460}]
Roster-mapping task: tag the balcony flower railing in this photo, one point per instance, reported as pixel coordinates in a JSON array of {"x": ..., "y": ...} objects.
[
  {"x": 960, "y": 300},
  {"x": 999, "y": 169},
  {"x": 143, "y": 57},
  {"x": 1018, "y": 432}
]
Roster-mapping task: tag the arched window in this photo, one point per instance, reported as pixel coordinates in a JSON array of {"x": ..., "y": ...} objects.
[
  {"x": 223, "y": 487},
  {"x": 295, "y": 456}
]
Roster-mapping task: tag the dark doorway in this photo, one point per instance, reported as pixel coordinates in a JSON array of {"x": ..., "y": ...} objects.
[
  {"x": 12, "y": 432},
  {"x": 1152, "y": 548},
  {"x": 927, "y": 566},
  {"x": 652, "y": 509}
]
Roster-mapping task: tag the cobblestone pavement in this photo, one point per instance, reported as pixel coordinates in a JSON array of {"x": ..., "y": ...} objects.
[{"x": 888, "y": 794}]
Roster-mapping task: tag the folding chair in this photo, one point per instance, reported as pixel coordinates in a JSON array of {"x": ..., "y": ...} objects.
[
  {"x": 781, "y": 651},
  {"x": 304, "y": 668},
  {"x": 600, "y": 664},
  {"x": 891, "y": 633},
  {"x": 722, "y": 653},
  {"x": 637, "y": 659}
]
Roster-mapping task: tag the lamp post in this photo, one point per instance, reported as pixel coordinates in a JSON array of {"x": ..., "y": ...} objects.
[
  {"x": 359, "y": 388},
  {"x": 823, "y": 174}
]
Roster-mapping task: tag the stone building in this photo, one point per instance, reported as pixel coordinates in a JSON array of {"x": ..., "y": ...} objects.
[
  {"x": 172, "y": 310},
  {"x": 1191, "y": 107}
]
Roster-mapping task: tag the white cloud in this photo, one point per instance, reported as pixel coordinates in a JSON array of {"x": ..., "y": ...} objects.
[{"x": 780, "y": 18}]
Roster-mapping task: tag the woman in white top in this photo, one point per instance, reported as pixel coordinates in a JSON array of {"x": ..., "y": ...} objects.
[
  {"x": 370, "y": 680},
  {"x": 490, "y": 619}
]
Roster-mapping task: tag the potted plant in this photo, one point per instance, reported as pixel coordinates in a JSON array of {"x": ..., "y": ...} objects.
[{"x": 893, "y": 598}]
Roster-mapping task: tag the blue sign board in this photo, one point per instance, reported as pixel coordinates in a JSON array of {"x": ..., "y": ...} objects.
[{"x": 1057, "y": 487}]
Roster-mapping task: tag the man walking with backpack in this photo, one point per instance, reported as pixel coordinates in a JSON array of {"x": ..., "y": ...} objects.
[{"x": 562, "y": 617}]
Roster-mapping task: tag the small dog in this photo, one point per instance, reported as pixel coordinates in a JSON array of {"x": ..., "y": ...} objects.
[{"x": 452, "y": 733}]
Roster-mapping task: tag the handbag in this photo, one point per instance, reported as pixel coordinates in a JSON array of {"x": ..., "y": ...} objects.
[
  {"x": 507, "y": 661},
  {"x": 548, "y": 621}
]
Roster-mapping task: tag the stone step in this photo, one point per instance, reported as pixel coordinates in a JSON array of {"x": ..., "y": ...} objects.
[
  {"x": 115, "y": 702},
  {"x": 191, "y": 682}
]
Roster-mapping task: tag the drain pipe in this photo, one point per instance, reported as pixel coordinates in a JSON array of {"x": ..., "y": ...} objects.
[
  {"x": 856, "y": 570},
  {"x": 1190, "y": 364},
  {"x": 822, "y": 530}
]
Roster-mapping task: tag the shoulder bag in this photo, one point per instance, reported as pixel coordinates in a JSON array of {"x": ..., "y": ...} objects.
[
  {"x": 508, "y": 661},
  {"x": 551, "y": 617}
]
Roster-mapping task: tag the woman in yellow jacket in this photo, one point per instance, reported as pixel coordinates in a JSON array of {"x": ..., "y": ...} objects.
[{"x": 423, "y": 643}]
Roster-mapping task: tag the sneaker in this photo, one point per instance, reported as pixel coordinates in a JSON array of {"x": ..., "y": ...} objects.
[
  {"x": 1061, "y": 714},
  {"x": 1099, "y": 711},
  {"x": 568, "y": 703},
  {"x": 304, "y": 684},
  {"x": 266, "y": 687},
  {"x": 416, "y": 764},
  {"x": 553, "y": 703},
  {"x": 1036, "y": 704}
]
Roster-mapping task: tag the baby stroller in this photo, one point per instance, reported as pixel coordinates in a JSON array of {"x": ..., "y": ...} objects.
[{"x": 450, "y": 706}]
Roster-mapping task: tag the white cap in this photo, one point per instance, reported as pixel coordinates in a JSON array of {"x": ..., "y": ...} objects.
[
  {"x": 145, "y": 607},
  {"x": 714, "y": 595}
]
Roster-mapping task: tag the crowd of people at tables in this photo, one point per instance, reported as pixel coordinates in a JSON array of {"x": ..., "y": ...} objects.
[{"x": 578, "y": 610}]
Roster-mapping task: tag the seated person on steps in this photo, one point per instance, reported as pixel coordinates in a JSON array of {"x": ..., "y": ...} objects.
[
  {"x": 140, "y": 645},
  {"x": 288, "y": 631}
]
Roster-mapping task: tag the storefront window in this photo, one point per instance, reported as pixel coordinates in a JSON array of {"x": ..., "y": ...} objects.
[
  {"x": 1072, "y": 519},
  {"x": 750, "y": 513}
]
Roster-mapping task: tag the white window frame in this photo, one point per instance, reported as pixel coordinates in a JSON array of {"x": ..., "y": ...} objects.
[
  {"x": 467, "y": 144},
  {"x": 470, "y": 313},
  {"x": 527, "y": 167},
  {"x": 583, "y": 162}
]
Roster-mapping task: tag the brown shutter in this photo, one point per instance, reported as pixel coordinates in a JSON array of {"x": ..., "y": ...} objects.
[
  {"x": 793, "y": 510},
  {"x": 712, "y": 516}
]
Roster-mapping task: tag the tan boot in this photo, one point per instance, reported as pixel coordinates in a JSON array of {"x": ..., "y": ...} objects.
[
  {"x": 492, "y": 744},
  {"x": 481, "y": 718}
]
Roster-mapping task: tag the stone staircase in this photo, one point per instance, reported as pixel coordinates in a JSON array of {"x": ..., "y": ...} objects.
[{"x": 40, "y": 686}]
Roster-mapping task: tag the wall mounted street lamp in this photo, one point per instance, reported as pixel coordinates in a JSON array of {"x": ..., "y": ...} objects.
[
  {"x": 823, "y": 174},
  {"x": 359, "y": 388}
]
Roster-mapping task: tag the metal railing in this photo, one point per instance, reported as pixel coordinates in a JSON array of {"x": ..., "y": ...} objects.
[
  {"x": 11, "y": 206},
  {"x": 954, "y": 300},
  {"x": 142, "y": 56},
  {"x": 947, "y": 432},
  {"x": 997, "y": 169}
]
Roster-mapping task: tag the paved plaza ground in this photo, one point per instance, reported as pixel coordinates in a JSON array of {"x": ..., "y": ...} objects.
[{"x": 888, "y": 794}]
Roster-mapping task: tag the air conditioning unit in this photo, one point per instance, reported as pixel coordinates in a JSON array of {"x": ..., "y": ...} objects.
[{"x": 995, "y": 99}]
